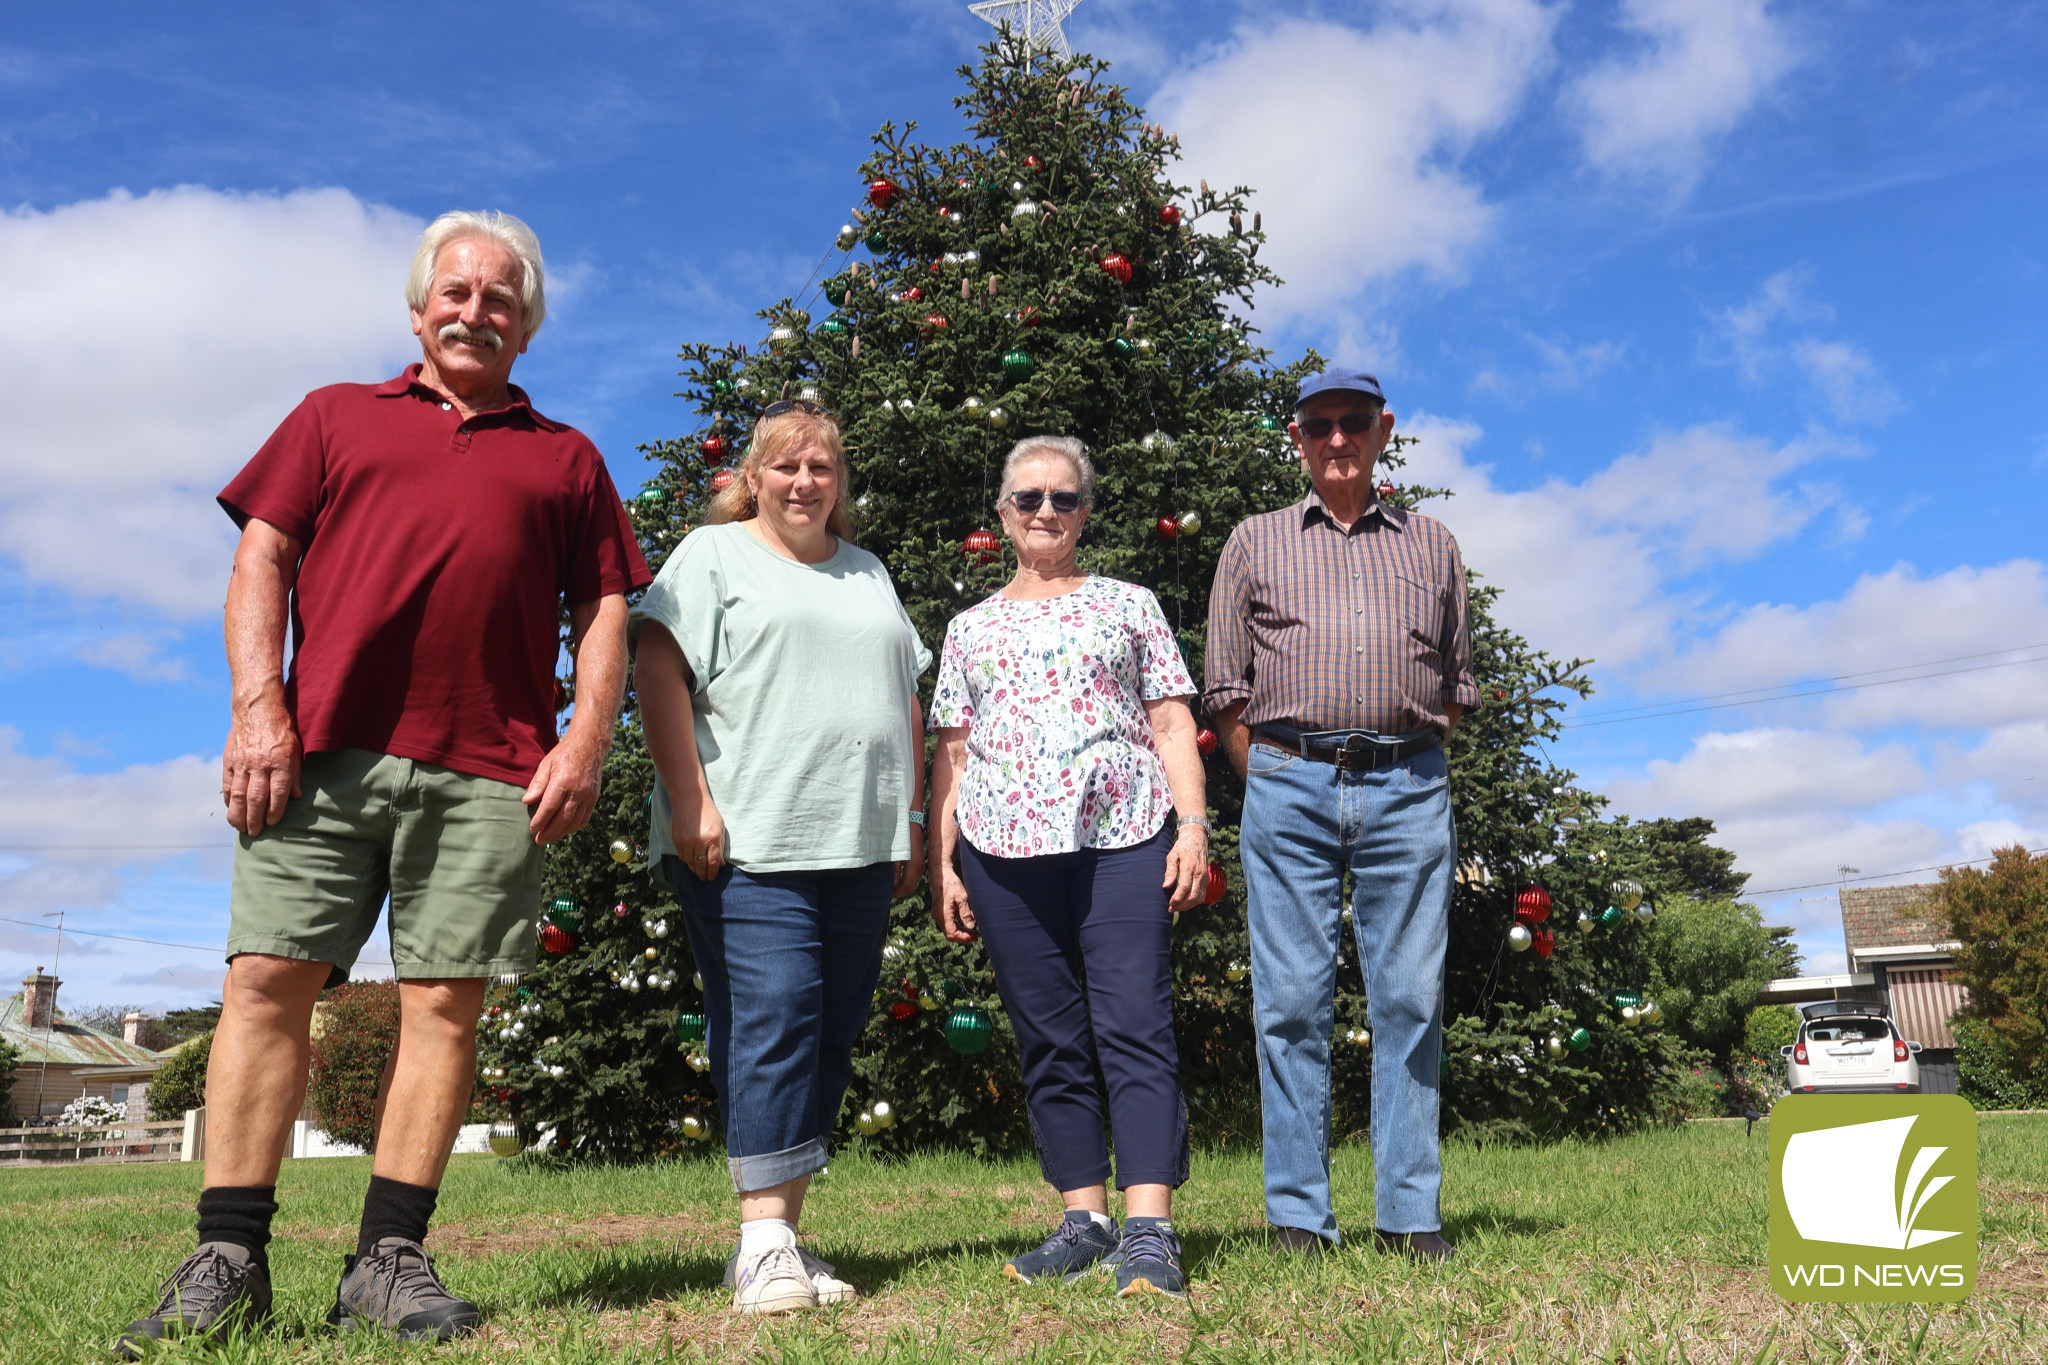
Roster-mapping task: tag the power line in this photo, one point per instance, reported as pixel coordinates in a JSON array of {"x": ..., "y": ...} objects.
[
  {"x": 1795, "y": 696},
  {"x": 1835, "y": 678},
  {"x": 153, "y": 942},
  {"x": 1871, "y": 877}
]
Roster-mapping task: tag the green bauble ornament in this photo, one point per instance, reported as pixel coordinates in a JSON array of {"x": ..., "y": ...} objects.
[
  {"x": 1018, "y": 365},
  {"x": 1579, "y": 1040},
  {"x": 1624, "y": 998},
  {"x": 1268, "y": 422},
  {"x": 969, "y": 1030},
  {"x": 565, "y": 913},
  {"x": 1123, "y": 346},
  {"x": 832, "y": 327},
  {"x": 837, "y": 290},
  {"x": 874, "y": 242},
  {"x": 689, "y": 1026},
  {"x": 721, "y": 387},
  {"x": 1611, "y": 915},
  {"x": 652, "y": 495}
]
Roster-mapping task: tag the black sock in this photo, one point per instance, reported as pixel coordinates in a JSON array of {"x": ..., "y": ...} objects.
[
  {"x": 393, "y": 1208},
  {"x": 239, "y": 1214}
]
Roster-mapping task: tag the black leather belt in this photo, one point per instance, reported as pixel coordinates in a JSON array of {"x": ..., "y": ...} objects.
[{"x": 1356, "y": 753}]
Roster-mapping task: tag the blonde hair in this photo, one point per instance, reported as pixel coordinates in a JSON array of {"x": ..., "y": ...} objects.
[
  {"x": 500, "y": 228},
  {"x": 776, "y": 436}
]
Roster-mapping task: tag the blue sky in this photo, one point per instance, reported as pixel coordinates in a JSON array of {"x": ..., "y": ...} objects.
[{"x": 1723, "y": 318}]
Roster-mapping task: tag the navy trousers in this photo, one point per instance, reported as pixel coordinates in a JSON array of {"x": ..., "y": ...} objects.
[{"x": 1049, "y": 921}]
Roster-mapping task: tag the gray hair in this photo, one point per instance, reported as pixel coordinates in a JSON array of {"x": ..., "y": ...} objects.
[
  {"x": 1066, "y": 448},
  {"x": 501, "y": 228}
]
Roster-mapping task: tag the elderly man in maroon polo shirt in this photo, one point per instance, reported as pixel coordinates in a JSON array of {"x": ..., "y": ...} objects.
[{"x": 420, "y": 536}]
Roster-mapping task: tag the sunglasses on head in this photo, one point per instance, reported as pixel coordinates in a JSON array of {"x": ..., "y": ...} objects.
[
  {"x": 797, "y": 405},
  {"x": 1354, "y": 424},
  {"x": 1029, "y": 500}
]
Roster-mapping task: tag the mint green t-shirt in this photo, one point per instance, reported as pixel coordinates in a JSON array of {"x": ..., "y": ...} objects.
[{"x": 803, "y": 678}]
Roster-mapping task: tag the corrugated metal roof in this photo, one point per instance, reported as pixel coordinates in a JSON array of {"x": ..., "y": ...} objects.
[{"x": 67, "y": 1044}]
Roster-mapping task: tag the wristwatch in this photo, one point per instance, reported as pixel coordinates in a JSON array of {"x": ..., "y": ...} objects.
[
  {"x": 917, "y": 818},
  {"x": 1199, "y": 820}
]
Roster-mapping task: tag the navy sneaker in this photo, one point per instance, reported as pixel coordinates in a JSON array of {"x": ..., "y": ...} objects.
[
  {"x": 1076, "y": 1247},
  {"x": 1148, "y": 1260}
]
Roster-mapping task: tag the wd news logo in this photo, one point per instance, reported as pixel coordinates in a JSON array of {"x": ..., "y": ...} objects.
[{"x": 1873, "y": 1198}]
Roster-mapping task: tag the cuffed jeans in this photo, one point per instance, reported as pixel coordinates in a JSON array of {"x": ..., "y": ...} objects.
[
  {"x": 1046, "y": 919},
  {"x": 1305, "y": 823},
  {"x": 790, "y": 961}
]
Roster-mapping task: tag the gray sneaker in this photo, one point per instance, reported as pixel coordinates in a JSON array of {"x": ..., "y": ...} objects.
[
  {"x": 394, "y": 1289},
  {"x": 1076, "y": 1247},
  {"x": 218, "y": 1286}
]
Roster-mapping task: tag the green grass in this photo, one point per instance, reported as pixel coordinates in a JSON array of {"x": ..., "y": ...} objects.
[{"x": 1649, "y": 1248}]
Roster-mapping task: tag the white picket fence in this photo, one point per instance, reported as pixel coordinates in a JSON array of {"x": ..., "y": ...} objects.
[{"x": 176, "y": 1140}]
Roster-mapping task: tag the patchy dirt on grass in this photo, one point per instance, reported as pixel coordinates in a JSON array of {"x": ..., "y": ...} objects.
[{"x": 691, "y": 1230}]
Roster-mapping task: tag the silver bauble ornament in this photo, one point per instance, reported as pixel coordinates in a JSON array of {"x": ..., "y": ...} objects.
[
  {"x": 698, "y": 1062},
  {"x": 1630, "y": 1015},
  {"x": 864, "y": 1123},
  {"x": 1157, "y": 440},
  {"x": 999, "y": 417},
  {"x": 883, "y": 1114},
  {"x": 697, "y": 980},
  {"x": 695, "y": 1129},
  {"x": 848, "y": 238},
  {"x": 622, "y": 851},
  {"x": 1586, "y": 922},
  {"x": 1190, "y": 523},
  {"x": 1026, "y": 208},
  {"x": 1554, "y": 1045},
  {"x": 1519, "y": 938},
  {"x": 973, "y": 408}
]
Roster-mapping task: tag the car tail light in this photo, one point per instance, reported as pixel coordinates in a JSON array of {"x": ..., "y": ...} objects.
[
  {"x": 1799, "y": 1052},
  {"x": 1899, "y": 1053}
]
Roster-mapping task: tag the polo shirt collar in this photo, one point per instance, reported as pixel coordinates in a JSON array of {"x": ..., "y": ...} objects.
[
  {"x": 408, "y": 380},
  {"x": 1313, "y": 510}
]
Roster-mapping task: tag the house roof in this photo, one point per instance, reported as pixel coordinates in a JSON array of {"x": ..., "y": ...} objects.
[
  {"x": 1889, "y": 917},
  {"x": 67, "y": 1043}
]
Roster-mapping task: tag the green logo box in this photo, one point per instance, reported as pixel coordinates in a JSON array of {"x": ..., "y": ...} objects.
[{"x": 1873, "y": 1198}]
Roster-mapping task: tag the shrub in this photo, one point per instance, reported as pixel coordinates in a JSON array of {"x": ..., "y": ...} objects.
[
  {"x": 356, "y": 1028},
  {"x": 180, "y": 1082},
  {"x": 10, "y": 1061},
  {"x": 2000, "y": 916},
  {"x": 1985, "y": 1074}
]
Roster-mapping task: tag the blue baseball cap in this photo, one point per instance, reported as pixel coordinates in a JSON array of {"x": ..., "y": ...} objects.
[{"x": 1340, "y": 381}]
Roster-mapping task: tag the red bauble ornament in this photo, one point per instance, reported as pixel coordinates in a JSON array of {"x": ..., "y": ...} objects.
[
  {"x": 980, "y": 546},
  {"x": 1205, "y": 741},
  {"x": 1117, "y": 268},
  {"x": 1169, "y": 528},
  {"x": 934, "y": 320},
  {"x": 1028, "y": 316},
  {"x": 722, "y": 480},
  {"x": 713, "y": 449},
  {"x": 1170, "y": 216},
  {"x": 1219, "y": 886},
  {"x": 881, "y": 194},
  {"x": 900, "y": 1010},
  {"x": 1543, "y": 941},
  {"x": 1532, "y": 905},
  {"x": 910, "y": 295},
  {"x": 1031, "y": 163},
  {"x": 944, "y": 212},
  {"x": 555, "y": 940},
  {"x": 1386, "y": 490}
]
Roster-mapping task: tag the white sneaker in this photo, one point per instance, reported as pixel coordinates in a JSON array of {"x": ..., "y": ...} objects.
[
  {"x": 824, "y": 1279},
  {"x": 776, "y": 1281}
]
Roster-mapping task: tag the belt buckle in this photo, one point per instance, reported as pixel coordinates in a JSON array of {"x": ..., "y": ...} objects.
[{"x": 1357, "y": 754}]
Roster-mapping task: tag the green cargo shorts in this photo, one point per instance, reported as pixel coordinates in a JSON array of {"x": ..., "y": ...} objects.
[{"x": 453, "y": 852}]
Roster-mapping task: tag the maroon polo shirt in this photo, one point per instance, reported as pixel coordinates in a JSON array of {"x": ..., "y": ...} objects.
[{"x": 437, "y": 555}]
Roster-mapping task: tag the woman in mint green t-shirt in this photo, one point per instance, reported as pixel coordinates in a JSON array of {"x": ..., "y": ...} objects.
[{"x": 777, "y": 676}]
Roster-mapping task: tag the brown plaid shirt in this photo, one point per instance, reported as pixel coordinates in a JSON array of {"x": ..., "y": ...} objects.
[{"x": 1326, "y": 628}]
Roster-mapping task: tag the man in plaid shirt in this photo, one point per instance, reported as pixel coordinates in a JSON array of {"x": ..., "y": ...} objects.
[{"x": 1339, "y": 659}]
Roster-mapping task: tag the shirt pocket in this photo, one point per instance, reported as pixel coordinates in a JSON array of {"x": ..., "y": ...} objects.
[{"x": 1417, "y": 610}]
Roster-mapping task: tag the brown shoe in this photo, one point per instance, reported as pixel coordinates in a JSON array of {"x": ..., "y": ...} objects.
[
  {"x": 1297, "y": 1242},
  {"x": 218, "y": 1286},
  {"x": 1416, "y": 1246}
]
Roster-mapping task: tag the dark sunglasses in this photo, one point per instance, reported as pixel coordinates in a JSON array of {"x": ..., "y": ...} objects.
[
  {"x": 1354, "y": 424},
  {"x": 797, "y": 405},
  {"x": 1029, "y": 500}
]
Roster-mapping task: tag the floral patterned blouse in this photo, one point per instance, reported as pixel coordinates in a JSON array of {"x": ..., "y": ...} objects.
[{"x": 1060, "y": 753}]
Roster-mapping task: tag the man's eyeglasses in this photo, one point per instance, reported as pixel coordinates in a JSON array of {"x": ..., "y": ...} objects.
[
  {"x": 1354, "y": 424},
  {"x": 1029, "y": 500},
  {"x": 797, "y": 405}
]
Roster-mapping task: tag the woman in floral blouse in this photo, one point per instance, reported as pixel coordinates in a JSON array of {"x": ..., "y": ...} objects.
[{"x": 1068, "y": 780}]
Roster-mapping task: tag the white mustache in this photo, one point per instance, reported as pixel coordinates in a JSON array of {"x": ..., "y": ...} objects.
[{"x": 488, "y": 336}]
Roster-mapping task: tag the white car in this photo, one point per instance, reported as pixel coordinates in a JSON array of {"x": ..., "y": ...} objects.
[{"x": 1850, "y": 1047}]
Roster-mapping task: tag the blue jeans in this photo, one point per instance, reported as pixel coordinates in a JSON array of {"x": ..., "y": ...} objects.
[
  {"x": 1304, "y": 823},
  {"x": 790, "y": 961}
]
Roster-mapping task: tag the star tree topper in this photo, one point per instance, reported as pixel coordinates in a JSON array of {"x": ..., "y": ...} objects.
[{"x": 1037, "y": 21}]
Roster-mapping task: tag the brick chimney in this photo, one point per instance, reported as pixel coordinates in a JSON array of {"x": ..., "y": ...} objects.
[
  {"x": 131, "y": 1027},
  {"x": 39, "y": 1000}
]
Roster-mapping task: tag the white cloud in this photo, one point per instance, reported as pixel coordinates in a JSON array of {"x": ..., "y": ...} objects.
[
  {"x": 1700, "y": 67},
  {"x": 1751, "y": 337},
  {"x": 141, "y": 655},
  {"x": 1587, "y": 564},
  {"x": 1564, "y": 368},
  {"x": 1749, "y": 773},
  {"x": 151, "y": 344},
  {"x": 1354, "y": 137},
  {"x": 1883, "y": 622}
]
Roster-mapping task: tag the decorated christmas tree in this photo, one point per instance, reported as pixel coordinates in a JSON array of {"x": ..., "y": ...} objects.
[{"x": 1049, "y": 274}]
